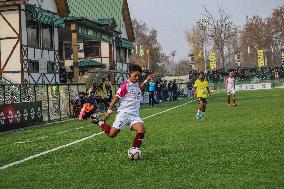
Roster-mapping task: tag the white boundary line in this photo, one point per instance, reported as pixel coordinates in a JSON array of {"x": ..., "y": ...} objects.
[
  {"x": 77, "y": 141},
  {"x": 168, "y": 110},
  {"x": 48, "y": 151}
]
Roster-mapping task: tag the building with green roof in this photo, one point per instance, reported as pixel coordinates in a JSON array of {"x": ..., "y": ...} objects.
[{"x": 103, "y": 31}]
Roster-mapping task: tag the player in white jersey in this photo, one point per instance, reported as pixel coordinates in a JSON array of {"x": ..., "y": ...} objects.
[
  {"x": 129, "y": 96},
  {"x": 230, "y": 86}
]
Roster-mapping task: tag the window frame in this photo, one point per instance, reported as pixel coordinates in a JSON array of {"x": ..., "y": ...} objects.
[
  {"x": 53, "y": 67},
  {"x": 95, "y": 45},
  {"x": 51, "y": 32},
  {"x": 38, "y": 36},
  {"x": 33, "y": 62}
]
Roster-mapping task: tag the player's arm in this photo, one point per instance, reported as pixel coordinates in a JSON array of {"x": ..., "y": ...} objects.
[
  {"x": 226, "y": 82},
  {"x": 194, "y": 92},
  {"x": 142, "y": 85},
  {"x": 111, "y": 106},
  {"x": 121, "y": 92}
]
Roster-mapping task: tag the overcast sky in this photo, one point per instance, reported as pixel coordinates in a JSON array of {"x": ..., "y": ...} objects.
[{"x": 171, "y": 18}]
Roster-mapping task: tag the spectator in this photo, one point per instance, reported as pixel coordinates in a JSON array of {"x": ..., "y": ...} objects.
[
  {"x": 189, "y": 89},
  {"x": 165, "y": 91},
  {"x": 170, "y": 90},
  {"x": 152, "y": 92},
  {"x": 159, "y": 94},
  {"x": 175, "y": 90}
]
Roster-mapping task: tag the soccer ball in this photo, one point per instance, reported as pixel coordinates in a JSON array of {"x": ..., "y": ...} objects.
[{"x": 134, "y": 153}]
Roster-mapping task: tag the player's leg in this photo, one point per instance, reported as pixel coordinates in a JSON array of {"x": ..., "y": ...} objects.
[
  {"x": 138, "y": 127},
  {"x": 200, "y": 107},
  {"x": 108, "y": 130},
  {"x": 229, "y": 97},
  {"x": 234, "y": 99},
  {"x": 203, "y": 108},
  {"x": 120, "y": 121}
]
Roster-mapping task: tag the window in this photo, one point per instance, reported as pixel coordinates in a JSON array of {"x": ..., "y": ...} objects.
[
  {"x": 60, "y": 50},
  {"x": 33, "y": 33},
  {"x": 92, "y": 49},
  {"x": 123, "y": 55},
  {"x": 47, "y": 36},
  {"x": 33, "y": 66},
  {"x": 68, "y": 51},
  {"x": 118, "y": 54},
  {"x": 51, "y": 67}
]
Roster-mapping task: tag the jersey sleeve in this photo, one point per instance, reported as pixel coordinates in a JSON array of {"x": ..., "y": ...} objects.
[
  {"x": 122, "y": 91},
  {"x": 207, "y": 85}
]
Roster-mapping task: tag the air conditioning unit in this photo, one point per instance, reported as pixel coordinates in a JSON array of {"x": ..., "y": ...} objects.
[{"x": 80, "y": 46}]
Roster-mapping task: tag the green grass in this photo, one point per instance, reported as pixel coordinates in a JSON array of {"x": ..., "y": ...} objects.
[{"x": 236, "y": 147}]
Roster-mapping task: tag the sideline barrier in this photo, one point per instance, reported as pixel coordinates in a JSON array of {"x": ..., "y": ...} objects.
[
  {"x": 247, "y": 87},
  {"x": 276, "y": 83},
  {"x": 20, "y": 115},
  {"x": 56, "y": 99}
]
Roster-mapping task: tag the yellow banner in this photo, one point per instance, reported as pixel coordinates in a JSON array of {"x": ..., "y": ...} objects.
[
  {"x": 260, "y": 55},
  {"x": 212, "y": 61}
]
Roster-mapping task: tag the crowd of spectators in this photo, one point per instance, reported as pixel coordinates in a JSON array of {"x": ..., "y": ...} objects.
[
  {"x": 242, "y": 74},
  {"x": 162, "y": 91},
  {"x": 99, "y": 96},
  {"x": 66, "y": 74},
  {"x": 97, "y": 99}
]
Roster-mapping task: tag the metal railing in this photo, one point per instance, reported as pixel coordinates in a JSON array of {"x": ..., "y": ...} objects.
[{"x": 56, "y": 99}]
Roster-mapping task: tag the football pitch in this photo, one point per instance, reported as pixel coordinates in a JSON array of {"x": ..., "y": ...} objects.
[{"x": 234, "y": 147}]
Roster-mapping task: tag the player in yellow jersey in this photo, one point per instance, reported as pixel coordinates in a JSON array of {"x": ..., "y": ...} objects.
[{"x": 201, "y": 91}]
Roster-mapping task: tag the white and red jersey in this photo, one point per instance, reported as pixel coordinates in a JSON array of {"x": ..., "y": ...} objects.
[
  {"x": 130, "y": 98},
  {"x": 230, "y": 81}
]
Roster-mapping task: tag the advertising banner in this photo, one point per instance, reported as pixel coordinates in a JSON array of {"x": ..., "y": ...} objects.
[
  {"x": 212, "y": 60},
  {"x": 260, "y": 55},
  {"x": 238, "y": 58},
  {"x": 20, "y": 115},
  {"x": 247, "y": 87}
]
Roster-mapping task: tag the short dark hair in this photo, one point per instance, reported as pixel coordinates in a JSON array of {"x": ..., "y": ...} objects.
[
  {"x": 134, "y": 68},
  {"x": 201, "y": 73}
]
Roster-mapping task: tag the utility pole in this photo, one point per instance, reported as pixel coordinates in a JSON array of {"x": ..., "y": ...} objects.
[
  {"x": 173, "y": 54},
  {"x": 202, "y": 23}
]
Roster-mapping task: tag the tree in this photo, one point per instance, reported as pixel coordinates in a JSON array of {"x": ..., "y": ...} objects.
[
  {"x": 266, "y": 34},
  {"x": 275, "y": 24},
  {"x": 220, "y": 31},
  {"x": 182, "y": 68},
  {"x": 254, "y": 36},
  {"x": 147, "y": 48},
  {"x": 195, "y": 39}
]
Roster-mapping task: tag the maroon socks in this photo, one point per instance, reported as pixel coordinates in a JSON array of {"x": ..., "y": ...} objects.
[
  {"x": 106, "y": 128},
  {"x": 138, "y": 140}
]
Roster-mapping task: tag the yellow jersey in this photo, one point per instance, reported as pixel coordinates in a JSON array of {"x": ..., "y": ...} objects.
[{"x": 200, "y": 87}]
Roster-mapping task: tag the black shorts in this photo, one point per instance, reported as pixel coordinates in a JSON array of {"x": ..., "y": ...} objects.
[{"x": 204, "y": 100}]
